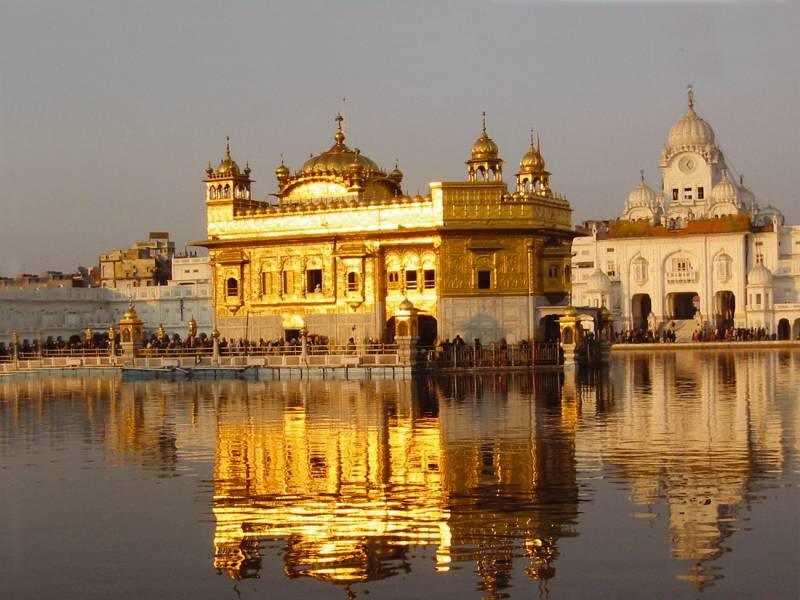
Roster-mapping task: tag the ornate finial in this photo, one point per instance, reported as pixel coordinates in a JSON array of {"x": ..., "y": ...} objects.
[
  {"x": 691, "y": 95},
  {"x": 339, "y": 137},
  {"x": 483, "y": 115},
  {"x": 228, "y": 146},
  {"x": 641, "y": 174},
  {"x": 339, "y": 119},
  {"x": 532, "y": 137},
  {"x": 282, "y": 160},
  {"x": 538, "y": 145}
]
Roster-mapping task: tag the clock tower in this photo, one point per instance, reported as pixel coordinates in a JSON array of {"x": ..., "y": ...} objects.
[{"x": 691, "y": 165}]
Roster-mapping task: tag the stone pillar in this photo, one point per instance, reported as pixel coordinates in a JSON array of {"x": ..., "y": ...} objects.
[
  {"x": 406, "y": 349},
  {"x": 215, "y": 347},
  {"x": 112, "y": 340},
  {"x": 15, "y": 349}
]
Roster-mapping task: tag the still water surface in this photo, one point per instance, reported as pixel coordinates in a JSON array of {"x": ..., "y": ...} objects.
[{"x": 674, "y": 475}]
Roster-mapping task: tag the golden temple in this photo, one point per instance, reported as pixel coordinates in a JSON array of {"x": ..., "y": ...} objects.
[{"x": 339, "y": 246}]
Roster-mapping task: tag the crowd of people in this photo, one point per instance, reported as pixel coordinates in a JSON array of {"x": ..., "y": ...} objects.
[
  {"x": 645, "y": 336},
  {"x": 734, "y": 334}
]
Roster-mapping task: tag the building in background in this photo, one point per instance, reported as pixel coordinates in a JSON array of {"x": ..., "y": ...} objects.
[
  {"x": 47, "y": 310},
  {"x": 343, "y": 246},
  {"x": 701, "y": 252},
  {"x": 143, "y": 264}
]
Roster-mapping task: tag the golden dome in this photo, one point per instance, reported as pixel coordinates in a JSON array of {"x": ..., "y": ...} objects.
[
  {"x": 282, "y": 170},
  {"x": 130, "y": 314},
  {"x": 484, "y": 147},
  {"x": 227, "y": 166},
  {"x": 396, "y": 174},
  {"x": 570, "y": 311},
  {"x": 339, "y": 160},
  {"x": 406, "y": 305},
  {"x": 532, "y": 162}
]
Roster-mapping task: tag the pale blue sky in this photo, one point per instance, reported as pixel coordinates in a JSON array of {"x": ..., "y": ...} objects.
[{"x": 109, "y": 111}]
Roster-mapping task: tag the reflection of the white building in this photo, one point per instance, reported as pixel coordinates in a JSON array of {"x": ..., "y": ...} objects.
[
  {"x": 351, "y": 478},
  {"x": 690, "y": 429},
  {"x": 341, "y": 479}
]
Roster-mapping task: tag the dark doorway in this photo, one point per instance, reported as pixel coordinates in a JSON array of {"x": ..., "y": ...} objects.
[
  {"x": 428, "y": 330},
  {"x": 641, "y": 307},
  {"x": 682, "y": 306},
  {"x": 291, "y": 334},
  {"x": 725, "y": 308},
  {"x": 784, "y": 329},
  {"x": 551, "y": 332},
  {"x": 388, "y": 334}
]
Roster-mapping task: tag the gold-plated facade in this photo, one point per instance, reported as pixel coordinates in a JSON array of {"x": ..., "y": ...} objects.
[{"x": 342, "y": 245}]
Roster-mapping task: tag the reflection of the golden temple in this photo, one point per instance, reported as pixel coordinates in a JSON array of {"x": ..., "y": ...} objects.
[
  {"x": 351, "y": 480},
  {"x": 691, "y": 430}
]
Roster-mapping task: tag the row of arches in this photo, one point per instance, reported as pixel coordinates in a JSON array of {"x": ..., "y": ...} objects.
[{"x": 222, "y": 192}]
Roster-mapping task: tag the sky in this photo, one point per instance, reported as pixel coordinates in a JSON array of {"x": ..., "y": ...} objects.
[{"x": 110, "y": 111}]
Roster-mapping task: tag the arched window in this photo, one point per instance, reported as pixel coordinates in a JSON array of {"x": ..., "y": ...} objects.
[
  {"x": 227, "y": 191},
  {"x": 232, "y": 287},
  {"x": 212, "y": 193}
]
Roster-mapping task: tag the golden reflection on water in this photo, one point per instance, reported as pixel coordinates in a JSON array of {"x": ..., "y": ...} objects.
[{"x": 344, "y": 481}]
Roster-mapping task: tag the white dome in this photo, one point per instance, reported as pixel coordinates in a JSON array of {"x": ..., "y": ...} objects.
[
  {"x": 748, "y": 197},
  {"x": 642, "y": 195},
  {"x": 598, "y": 282},
  {"x": 725, "y": 191},
  {"x": 759, "y": 275},
  {"x": 691, "y": 130}
]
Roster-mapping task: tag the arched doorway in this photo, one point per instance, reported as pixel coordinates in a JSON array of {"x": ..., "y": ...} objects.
[
  {"x": 549, "y": 328},
  {"x": 724, "y": 308},
  {"x": 641, "y": 307},
  {"x": 784, "y": 329},
  {"x": 388, "y": 334},
  {"x": 428, "y": 330},
  {"x": 796, "y": 330},
  {"x": 682, "y": 305}
]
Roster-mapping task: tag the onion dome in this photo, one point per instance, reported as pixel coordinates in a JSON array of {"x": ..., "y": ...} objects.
[
  {"x": 532, "y": 161},
  {"x": 339, "y": 159},
  {"x": 406, "y": 305},
  {"x": 570, "y": 311},
  {"x": 130, "y": 313},
  {"x": 227, "y": 166},
  {"x": 642, "y": 195},
  {"x": 598, "y": 282},
  {"x": 725, "y": 192},
  {"x": 759, "y": 275},
  {"x": 281, "y": 171},
  {"x": 748, "y": 197},
  {"x": 396, "y": 174},
  {"x": 690, "y": 129},
  {"x": 484, "y": 147}
]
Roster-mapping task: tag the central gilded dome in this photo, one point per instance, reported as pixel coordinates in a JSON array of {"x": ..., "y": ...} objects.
[{"x": 339, "y": 159}]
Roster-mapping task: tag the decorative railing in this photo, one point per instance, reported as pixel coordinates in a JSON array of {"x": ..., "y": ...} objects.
[{"x": 683, "y": 276}]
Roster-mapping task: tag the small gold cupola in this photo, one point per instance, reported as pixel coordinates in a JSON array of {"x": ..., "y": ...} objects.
[
  {"x": 228, "y": 181},
  {"x": 485, "y": 163},
  {"x": 532, "y": 177}
]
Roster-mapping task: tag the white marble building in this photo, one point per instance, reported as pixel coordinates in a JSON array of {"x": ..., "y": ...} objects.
[
  {"x": 702, "y": 250},
  {"x": 69, "y": 311}
]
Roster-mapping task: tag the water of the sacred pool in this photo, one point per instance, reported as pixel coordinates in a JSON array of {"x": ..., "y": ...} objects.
[{"x": 669, "y": 475}]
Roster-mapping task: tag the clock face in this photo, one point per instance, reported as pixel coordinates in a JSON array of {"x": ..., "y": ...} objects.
[{"x": 687, "y": 164}]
